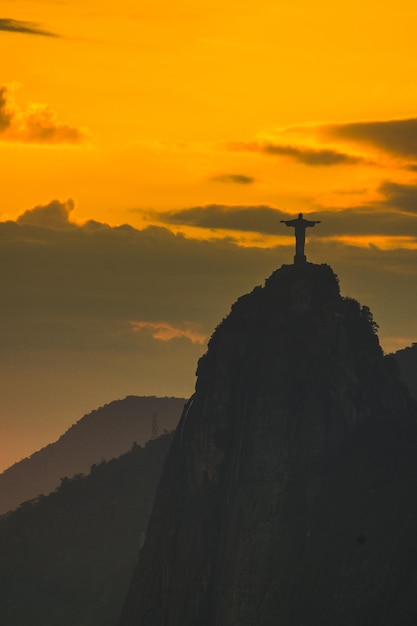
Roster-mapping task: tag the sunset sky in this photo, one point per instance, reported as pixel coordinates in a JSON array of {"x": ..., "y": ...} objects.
[{"x": 148, "y": 153}]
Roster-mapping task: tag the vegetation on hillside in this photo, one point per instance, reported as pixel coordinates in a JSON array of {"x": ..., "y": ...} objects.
[{"x": 67, "y": 558}]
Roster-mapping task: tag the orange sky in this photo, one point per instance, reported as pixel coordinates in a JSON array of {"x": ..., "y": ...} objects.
[
  {"x": 203, "y": 117},
  {"x": 156, "y": 92}
]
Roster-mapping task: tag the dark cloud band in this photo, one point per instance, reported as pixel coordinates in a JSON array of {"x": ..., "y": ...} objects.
[
  {"x": 259, "y": 219},
  {"x": 234, "y": 179},
  {"x": 401, "y": 196},
  {"x": 25, "y": 28},
  {"x": 395, "y": 136},
  {"x": 374, "y": 220},
  {"x": 307, "y": 156}
]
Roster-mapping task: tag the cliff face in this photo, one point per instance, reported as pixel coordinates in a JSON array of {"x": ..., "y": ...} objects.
[
  {"x": 407, "y": 362},
  {"x": 289, "y": 493}
]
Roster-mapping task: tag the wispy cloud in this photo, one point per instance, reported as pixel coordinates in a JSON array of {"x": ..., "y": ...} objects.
[
  {"x": 164, "y": 331},
  {"x": 314, "y": 157},
  {"x": 234, "y": 179},
  {"x": 396, "y": 136},
  {"x": 36, "y": 124},
  {"x": 259, "y": 219},
  {"x": 379, "y": 219},
  {"x": 25, "y": 28},
  {"x": 400, "y": 196}
]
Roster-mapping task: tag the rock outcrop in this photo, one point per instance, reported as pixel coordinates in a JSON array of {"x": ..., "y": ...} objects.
[{"x": 289, "y": 495}]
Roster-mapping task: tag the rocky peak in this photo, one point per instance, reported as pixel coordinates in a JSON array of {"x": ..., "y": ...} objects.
[{"x": 284, "y": 457}]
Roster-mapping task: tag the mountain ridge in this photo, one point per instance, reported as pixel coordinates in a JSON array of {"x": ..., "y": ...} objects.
[{"x": 104, "y": 433}]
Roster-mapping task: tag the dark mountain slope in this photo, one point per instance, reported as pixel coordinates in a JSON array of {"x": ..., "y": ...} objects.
[
  {"x": 289, "y": 495},
  {"x": 66, "y": 560},
  {"x": 407, "y": 362},
  {"x": 102, "y": 434}
]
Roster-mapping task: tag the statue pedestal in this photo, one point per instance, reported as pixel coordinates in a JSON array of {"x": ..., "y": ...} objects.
[{"x": 300, "y": 259}]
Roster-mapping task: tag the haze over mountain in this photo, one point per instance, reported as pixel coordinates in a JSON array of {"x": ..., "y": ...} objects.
[
  {"x": 67, "y": 558},
  {"x": 102, "y": 434},
  {"x": 289, "y": 493}
]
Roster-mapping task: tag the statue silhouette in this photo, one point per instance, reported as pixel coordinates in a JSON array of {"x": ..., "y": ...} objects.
[{"x": 300, "y": 225}]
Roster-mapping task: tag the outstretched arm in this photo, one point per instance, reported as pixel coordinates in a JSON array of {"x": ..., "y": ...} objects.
[{"x": 289, "y": 222}]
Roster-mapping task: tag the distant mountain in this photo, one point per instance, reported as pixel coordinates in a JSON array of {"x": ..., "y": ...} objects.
[
  {"x": 102, "y": 434},
  {"x": 289, "y": 492},
  {"x": 407, "y": 362},
  {"x": 67, "y": 558}
]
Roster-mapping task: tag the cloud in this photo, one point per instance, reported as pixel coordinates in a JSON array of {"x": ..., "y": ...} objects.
[
  {"x": 308, "y": 156},
  {"x": 6, "y": 110},
  {"x": 393, "y": 215},
  {"x": 378, "y": 219},
  {"x": 55, "y": 214},
  {"x": 26, "y": 28},
  {"x": 93, "y": 271},
  {"x": 238, "y": 179},
  {"x": 94, "y": 274},
  {"x": 313, "y": 157},
  {"x": 367, "y": 222},
  {"x": 259, "y": 219},
  {"x": 400, "y": 196},
  {"x": 37, "y": 124},
  {"x": 396, "y": 136},
  {"x": 163, "y": 331}
]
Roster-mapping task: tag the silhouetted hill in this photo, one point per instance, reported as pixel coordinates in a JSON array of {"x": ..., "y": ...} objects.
[
  {"x": 67, "y": 558},
  {"x": 407, "y": 362},
  {"x": 289, "y": 494},
  {"x": 102, "y": 434}
]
